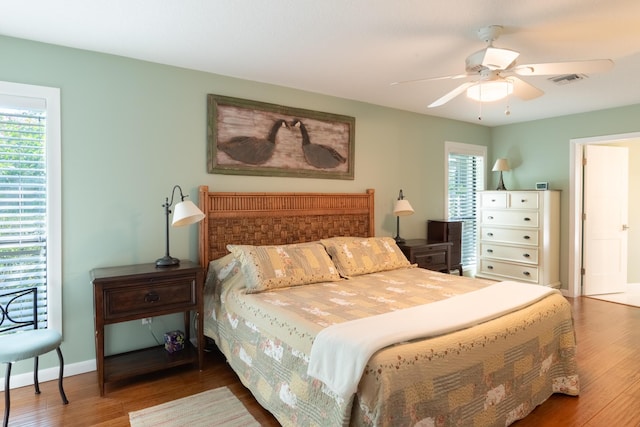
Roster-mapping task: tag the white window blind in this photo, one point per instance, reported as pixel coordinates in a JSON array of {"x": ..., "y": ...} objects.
[
  {"x": 23, "y": 202},
  {"x": 465, "y": 178}
]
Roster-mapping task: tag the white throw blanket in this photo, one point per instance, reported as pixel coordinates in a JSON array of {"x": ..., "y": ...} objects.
[{"x": 340, "y": 352}]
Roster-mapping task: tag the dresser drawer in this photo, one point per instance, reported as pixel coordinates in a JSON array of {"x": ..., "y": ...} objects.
[
  {"x": 493, "y": 200},
  {"x": 509, "y": 235},
  {"x": 524, "y": 254},
  {"x": 523, "y": 273},
  {"x": 523, "y": 200},
  {"x": 510, "y": 218},
  {"x": 140, "y": 297}
]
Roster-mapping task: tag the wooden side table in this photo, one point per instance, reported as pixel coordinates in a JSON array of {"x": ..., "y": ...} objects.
[
  {"x": 137, "y": 291},
  {"x": 431, "y": 256},
  {"x": 440, "y": 230}
]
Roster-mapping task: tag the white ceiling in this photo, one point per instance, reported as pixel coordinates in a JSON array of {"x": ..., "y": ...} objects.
[{"x": 354, "y": 49}]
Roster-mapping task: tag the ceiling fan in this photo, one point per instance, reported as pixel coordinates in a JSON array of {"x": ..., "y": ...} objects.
[{"x": 493, "y": 72}]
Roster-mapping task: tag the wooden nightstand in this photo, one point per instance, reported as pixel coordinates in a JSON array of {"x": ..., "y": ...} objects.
[
  {"x": 432, "y": 256},
  {"x": 137, "y": 291}
]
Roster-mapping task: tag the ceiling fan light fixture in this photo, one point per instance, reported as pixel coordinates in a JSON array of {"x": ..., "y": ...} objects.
[{"x": 490, "y": 91}]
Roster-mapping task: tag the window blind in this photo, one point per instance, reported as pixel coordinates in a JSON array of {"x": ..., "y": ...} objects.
[
  {"x": 464, "y": 180},
  {"x": 23, "y": 204}
]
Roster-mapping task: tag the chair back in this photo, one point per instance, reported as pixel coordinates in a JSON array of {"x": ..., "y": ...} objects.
[{"x": 19, "y": 309}]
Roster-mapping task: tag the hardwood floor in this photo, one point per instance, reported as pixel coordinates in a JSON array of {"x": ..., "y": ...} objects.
[{"x": 609, "y": 362}]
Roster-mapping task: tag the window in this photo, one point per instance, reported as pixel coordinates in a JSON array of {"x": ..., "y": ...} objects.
[
  {"x": 464, "y": 169},
  {"x": 30, "y": 214}
]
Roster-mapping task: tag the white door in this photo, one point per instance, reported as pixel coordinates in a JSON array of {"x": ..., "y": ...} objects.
[{"x": 606, "y": 185}]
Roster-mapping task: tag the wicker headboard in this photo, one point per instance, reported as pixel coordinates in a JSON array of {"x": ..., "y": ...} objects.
[{"x": 280, "y": 218}]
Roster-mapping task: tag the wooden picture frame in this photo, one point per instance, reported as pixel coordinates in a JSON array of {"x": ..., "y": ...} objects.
[{"x": 247, "y": 137}]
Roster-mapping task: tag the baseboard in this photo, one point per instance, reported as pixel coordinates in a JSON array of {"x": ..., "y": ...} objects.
[{"x": 50, "y": 374}]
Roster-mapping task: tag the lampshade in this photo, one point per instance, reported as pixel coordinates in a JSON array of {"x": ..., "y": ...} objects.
[
  {"x": 501, "y": 165},
  {"x": 402, "y": 208},
  {"x": 489, "y": 91},
  {"x": 185, "y": 213}
]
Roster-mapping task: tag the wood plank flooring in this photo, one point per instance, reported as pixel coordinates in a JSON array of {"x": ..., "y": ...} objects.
[{"x": 609, "y": 363}]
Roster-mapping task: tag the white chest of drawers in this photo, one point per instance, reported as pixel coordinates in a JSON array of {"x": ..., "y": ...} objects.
[{"x": 519, "y": 236}]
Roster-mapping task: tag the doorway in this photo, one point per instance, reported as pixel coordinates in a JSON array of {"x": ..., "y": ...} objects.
[{"x": 577, "y": 147}]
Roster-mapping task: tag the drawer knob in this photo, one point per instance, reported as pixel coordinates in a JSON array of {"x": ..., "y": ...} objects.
[
  {"x": 151, "y": 297},
  {"x": 489, "y": 217},
  {"x": 490, "y": 251},
  {"x": 523, "y": 200},
  {"x": 489, "y": 267},
  {"x": 527, "y": 218},
  {"x": 526, "y": 255},
  {"x": 490, "y": 234},
  {"x": 526, "y": 237},
  {"x": 526, "y": 273}
]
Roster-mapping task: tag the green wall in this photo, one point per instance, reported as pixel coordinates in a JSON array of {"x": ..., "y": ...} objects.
[{"x": 132, "y": 129}]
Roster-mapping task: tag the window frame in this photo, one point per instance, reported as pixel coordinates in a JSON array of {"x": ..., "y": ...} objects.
[
  {"x": 451, "y": 147},
  {"x": 25, "y": 95}
]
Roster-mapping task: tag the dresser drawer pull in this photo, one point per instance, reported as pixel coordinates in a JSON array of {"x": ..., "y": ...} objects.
[
  {"x": 489, "y": 217},
  {"x": 526, "y": 273},
  {"x": 151, "y": 297},
  {"x": 490, "y": 234},
  {"x": 490, "y": 251},
  {"x": 527, "y": 218},
  {"x": 526, "y": 255},
  {"x": 489, "y": 267},
  {"x": 523, "y": 200},
  {"x": 526, "y": 237}
]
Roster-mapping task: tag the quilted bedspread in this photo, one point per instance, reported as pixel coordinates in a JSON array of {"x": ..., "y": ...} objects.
[{"x": 490, "y": 374}]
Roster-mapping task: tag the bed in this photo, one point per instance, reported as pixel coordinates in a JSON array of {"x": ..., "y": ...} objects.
[{"x": 287, "y": 271}]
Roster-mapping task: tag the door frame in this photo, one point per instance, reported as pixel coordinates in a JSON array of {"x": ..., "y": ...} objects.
[{"x": 576, "y": 186}]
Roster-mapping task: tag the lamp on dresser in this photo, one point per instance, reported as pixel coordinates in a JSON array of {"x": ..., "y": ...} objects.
[
  {"x": 401, "y": 208},
  {"x": 185, "y": 213},
  {"x": 501, "y": 165}
]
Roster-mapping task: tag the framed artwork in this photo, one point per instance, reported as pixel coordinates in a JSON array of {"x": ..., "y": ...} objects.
[{"x": 255, "y": 138}]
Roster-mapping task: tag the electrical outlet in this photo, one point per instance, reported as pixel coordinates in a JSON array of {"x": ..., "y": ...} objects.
[{"x": 146, "y": 320}]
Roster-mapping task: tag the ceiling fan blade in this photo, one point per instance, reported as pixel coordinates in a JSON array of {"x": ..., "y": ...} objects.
[
  {"x": 449, "y": 96},
  {"x": 427, "y": 79},
  {"x": 559, "y": 68},
  {"x": 524, "y": 90}
]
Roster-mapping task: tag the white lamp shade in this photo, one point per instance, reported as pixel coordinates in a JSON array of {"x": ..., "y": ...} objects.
[
  {"x": 185, "y": 213},
  {"x": 490, "y": 91},
  {"x": 402, "y": 208},
  {"x": 501, "y": 165}
]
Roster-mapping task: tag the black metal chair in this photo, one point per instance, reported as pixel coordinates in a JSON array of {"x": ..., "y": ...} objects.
[{"x": 21, "y": 339}]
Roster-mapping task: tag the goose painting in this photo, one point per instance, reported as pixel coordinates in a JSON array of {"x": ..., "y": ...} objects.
[
  {"x": 252, "y": 150},
  {"x": 318, "y": 155}
]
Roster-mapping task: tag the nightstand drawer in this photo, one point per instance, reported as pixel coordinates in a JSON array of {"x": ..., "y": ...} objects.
[
  {"x": 150, "y": 297},
  {"x": 431, "y": 260}
]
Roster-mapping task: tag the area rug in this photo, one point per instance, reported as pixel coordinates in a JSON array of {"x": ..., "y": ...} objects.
[{"x": 218, "y": 407}]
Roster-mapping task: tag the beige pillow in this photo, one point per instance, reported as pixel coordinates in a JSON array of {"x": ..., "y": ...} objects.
[
  {"x": 354, "y": 256},
  {"x": 272, "y": 267}
]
